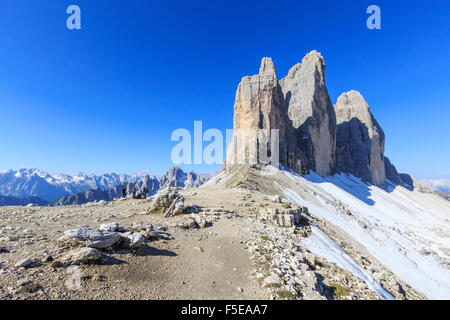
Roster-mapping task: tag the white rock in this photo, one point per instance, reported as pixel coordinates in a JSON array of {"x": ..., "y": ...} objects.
[
  {"x": 93, "y": 238},
  {"x": 111, "y": 226},
  {"x": 23, "y": 263},
  {"x": 201, "y": 222},
  {"x": 82, "y": 255},
  {"x": 131, "y": 240},
  {"x": 272, "y": 280},
  {"x": 23, "y": 282}
]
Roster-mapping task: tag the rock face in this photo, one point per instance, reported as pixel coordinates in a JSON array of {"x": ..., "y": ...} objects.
[
  {"x": 312, "y": 133},
  {"x": 391, "y": 172},
  {"x": 311, "y": 112},
  {"x": 360, "y": 139},
  {"x": 259, "y": 107}
]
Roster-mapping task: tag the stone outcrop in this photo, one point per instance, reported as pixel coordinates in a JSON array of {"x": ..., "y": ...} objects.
[
  {"x": 131, "y": 240},
  {"x": 311, "y": 111},
  {"x": 259, "y": 108},
  {"x": 81, "y": 256},
  {"x": 287, "y": 217},
  {"x": 360, "y": 139},
  {"x": 168, "y": 200},
  {"x": 89, "y": 237},
  {"x": 201, "y": 222}
]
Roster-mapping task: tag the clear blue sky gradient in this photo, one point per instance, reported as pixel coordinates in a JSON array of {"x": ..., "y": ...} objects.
[{"x": 107, "y": 98}]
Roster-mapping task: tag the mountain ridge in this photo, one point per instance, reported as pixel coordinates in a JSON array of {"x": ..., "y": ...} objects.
[
  {"x": 175, "y": 176},
  {"x": 24, "y": 183},
  {"x": 314, "y": 134}
]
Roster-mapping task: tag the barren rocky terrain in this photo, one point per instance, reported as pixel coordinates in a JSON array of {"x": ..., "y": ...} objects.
[{"x": 239, "y": 253}]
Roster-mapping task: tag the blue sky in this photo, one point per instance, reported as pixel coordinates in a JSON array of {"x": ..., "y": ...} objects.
[{"x": 107, "y": 97}]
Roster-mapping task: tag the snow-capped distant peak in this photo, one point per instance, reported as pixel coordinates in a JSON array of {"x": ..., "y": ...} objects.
[{"x": 441, "y": 185}]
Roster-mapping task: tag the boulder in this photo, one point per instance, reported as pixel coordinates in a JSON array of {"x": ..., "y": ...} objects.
[
  {"x": 168, "y": 200},
  {"x": 147, "y": 230},
  {"x": 93, "y": 238},
  {"x": 81, "y": 256},
  {"x": 23, "y": 263},
  {"x": 23, "y": 282},
  {"x": 153, "y": 234},
  {"x": 131, "y": 240},
  {"x": 112, "y": 227},
  {"x": 190, "y": 224},
  {"x": 141, "y": 226},
  {"x": 46, "y": 257},
  {"x": 176, "y": 208},
  {"x": 201, "y": 222}
]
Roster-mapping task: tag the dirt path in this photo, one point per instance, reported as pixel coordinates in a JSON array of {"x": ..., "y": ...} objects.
[
  {"x": 209, "y": 263},
  {"x": 213, "y": 267}
]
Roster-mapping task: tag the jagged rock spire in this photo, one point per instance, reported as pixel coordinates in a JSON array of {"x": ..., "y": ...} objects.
[
  {"x": 313, "y": 134},
  {"x": 311, "y": 112},
  {"x": 360, "y": 139},
  {"x": 260, "y": 107}
]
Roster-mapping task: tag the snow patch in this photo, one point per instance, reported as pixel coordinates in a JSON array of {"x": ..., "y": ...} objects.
[
  {"x": 407, "y": 231},
  {"x": 321, "y": 245}
]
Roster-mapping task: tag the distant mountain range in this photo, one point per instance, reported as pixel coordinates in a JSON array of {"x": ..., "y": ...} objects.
[
  {"x": 25, "y": 183},
  {"x": 175, "y": 177},
  {"x": 440, "y": 185},
  {"x": 24, "y": 186},
  {"x": 12, "y": 201}
]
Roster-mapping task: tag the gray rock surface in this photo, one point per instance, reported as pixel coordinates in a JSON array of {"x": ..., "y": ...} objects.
[
  {"x": 311, "y": 112},
  {"x": 360, "y": 139},
  {"x": 313, "y": 134},
  {"x": 93, "y": 238},
  {"x": 81, "y": 256},
  {"x": 201, "y": 222},
  {"x": 23, "y": 263},
  {"x": 259, "y": 107},
  {"x": 391, "y": 172},
  {"x": 168, "y": 200},
  {"x": 131, "y": 240}
]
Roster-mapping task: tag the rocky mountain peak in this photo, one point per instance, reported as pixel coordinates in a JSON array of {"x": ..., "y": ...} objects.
[
  {"x": 313, "y": 134},
  {"x": 267, "y": 66},
  {"x": 260, "y": 107},
  {"x": 360, "y": 139},
  {"x": 311, "y": 112},
  {"x": 352, "y": 104},
  {"x": 314, "y": 58}
]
